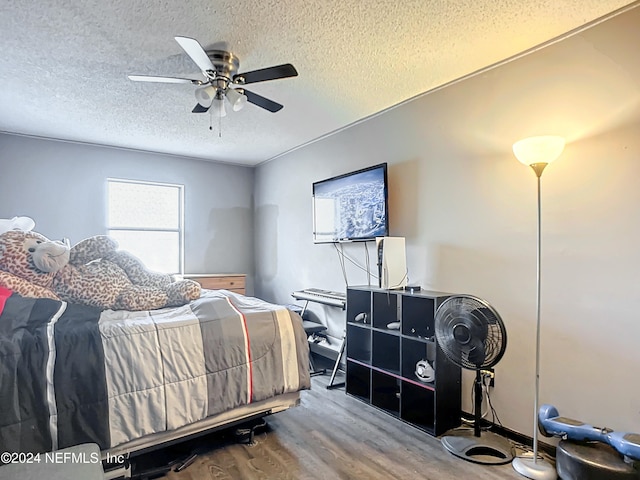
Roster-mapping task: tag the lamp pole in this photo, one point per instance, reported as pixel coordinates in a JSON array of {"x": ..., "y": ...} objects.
[
  {"x": 537, "y": 152},
  {"x": 538, "y": 168}
]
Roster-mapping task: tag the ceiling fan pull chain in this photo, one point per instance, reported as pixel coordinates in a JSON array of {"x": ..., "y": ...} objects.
[{"x": 219, "y": 122}]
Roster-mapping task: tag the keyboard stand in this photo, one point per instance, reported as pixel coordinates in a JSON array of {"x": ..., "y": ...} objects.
[
  {"x": 299, "y": 295},
  {"x": 304, "y": 308},
  {"x": 336, "y": 367}
]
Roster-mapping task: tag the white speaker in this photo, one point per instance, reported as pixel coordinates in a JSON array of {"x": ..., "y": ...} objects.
[{"x": 392, "y": 262}]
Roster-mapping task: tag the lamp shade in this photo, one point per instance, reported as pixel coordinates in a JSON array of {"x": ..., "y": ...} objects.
[
  {"x": 236, "y": 98},
  {"x": 538, "y": 150},
  {"x": 205, "y": 95},
  {"x": 217, "y": 107}
]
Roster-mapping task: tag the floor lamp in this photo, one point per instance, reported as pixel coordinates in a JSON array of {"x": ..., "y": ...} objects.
[{"x": 537, "y": 152}]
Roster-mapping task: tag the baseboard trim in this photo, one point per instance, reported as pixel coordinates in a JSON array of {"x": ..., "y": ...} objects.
[{"x": 514, "y": 436}]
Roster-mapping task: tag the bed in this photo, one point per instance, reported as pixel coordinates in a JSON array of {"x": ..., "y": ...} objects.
[{"x": 71, "y": 374}]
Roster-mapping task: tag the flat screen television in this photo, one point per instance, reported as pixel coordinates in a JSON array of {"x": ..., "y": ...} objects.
[{"x": 351, "y": 207}]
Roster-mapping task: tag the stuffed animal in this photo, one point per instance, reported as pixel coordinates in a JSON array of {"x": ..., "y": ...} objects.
[
  {"x": 25, "y": 272},
  {"x": 93, "y": 272}
]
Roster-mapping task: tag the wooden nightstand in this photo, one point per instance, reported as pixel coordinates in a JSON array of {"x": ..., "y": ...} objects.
[{"x": 235, "y": 282}]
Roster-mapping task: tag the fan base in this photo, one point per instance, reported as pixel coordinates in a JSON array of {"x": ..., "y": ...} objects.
[
  {"x": 540, "y": 470},
  {"x": 226, "y": 63},
  {"x": 487, "y": 449}
]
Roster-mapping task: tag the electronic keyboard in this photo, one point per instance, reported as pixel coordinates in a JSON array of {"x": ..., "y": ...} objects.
[{"x": 326, "y": 297}]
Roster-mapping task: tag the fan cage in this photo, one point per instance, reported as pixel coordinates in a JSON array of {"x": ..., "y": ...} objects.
[{"x": 470, "y": 332}]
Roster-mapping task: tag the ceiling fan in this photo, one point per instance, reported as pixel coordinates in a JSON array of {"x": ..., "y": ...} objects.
[{"x": 222, "y": 80}]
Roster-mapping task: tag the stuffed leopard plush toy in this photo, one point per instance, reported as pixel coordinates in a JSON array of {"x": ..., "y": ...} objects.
[{"x": 93, "y": 272}]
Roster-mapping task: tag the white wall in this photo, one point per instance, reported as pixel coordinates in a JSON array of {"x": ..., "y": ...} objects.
[
  {"x": 468, "y": 211},
  {"x": 62, "y": 186}
]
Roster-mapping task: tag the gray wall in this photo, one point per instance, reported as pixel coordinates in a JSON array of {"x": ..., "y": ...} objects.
[
  {"x": 62, "y": 186},
  {"x": 467, "y": 208}
]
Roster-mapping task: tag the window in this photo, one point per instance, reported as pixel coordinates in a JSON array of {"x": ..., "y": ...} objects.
[{"x": 147, "y": 220}]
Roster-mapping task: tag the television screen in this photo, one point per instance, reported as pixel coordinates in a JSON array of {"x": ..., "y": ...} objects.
[{"x": 351, "y": 207}]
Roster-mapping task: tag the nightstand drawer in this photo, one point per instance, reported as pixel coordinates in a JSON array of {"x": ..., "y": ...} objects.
[{"x": 234, "y": 282}]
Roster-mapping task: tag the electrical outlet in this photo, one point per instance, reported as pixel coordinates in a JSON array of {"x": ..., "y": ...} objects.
[{"x": 489, "y": 374}]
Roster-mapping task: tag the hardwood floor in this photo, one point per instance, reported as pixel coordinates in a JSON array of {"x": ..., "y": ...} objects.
[{"x": 333, "y": 436}]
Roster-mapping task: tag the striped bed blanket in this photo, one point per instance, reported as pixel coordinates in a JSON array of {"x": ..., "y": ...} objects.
[{"x": 71, "y": 374}]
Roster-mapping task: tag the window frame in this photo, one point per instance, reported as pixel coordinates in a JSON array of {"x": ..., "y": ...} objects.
[{"x": 179, "y": 230}]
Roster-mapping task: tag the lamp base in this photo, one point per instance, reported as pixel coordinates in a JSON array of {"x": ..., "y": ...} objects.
[{"x": 540, "y": 470}]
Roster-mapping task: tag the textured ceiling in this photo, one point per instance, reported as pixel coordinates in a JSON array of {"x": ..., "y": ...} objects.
[{"x": 64, "y": 63}]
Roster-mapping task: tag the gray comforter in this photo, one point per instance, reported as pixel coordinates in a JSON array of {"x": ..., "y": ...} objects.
[{"x": 71, "y": 374}]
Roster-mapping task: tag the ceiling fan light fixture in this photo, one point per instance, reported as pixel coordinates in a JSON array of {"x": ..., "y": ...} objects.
[
  {"x": 205, "y": 95},
  {"x": 237, "y": 99},
  {"x": 219, "y": 68},
  {"x": 217, "y": 107}
]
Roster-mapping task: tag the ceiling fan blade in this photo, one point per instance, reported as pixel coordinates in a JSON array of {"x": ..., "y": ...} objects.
[
  {"x": 196, "y": 52},
  {"x": 199, "y": 109},
  {"x": 264, "y": 74},
  {"x": 148, "y": 78},
  {"x": 263, "y": 102}
]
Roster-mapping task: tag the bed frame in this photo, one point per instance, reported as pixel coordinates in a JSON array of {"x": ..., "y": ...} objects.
[{"x": 208, "y": 425}]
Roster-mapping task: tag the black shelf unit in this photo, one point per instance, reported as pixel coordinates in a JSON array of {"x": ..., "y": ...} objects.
[{"x": 382, "y": 357}]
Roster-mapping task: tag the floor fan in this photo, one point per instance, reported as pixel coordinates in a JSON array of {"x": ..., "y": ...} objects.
[{"x": 472, "y": 335}]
